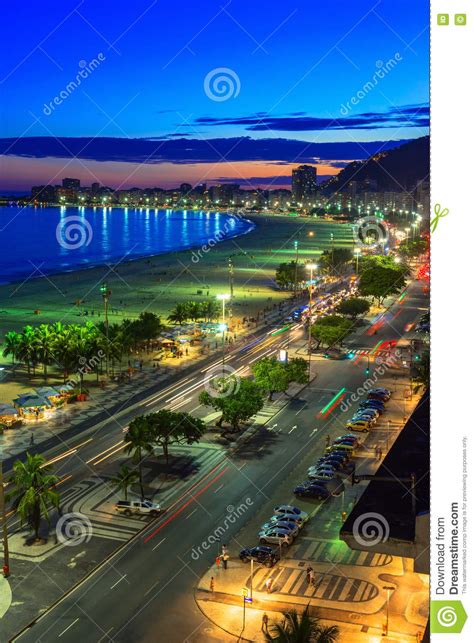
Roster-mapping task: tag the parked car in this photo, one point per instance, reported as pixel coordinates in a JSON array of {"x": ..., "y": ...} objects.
[
  {"x": 275, "y": 535},
  {"x": 290, "y": 510},
  {"x": 348, "y": 437},
  {"x": 367, "y": 417},
  {"x": 290, "y": 528},
  {"x": 311, "y": 489},
  {"x": 129, "y": 507},
  {"x": 321, "y": 473},
  {"x": 340, "y": 451},
  {"x": 359, "y": 425},
  {"x": 373, "y": 413},
  {"x": 260, "y": 554},
  {"x": 378, "y": 405},
  {"x": 288, "y": 518},
  {"x": 335, "y": 463},
  {"x": 379, "y": 394}
]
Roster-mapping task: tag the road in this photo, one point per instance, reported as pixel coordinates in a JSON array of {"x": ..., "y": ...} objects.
[{"x": 145, "y": 591}]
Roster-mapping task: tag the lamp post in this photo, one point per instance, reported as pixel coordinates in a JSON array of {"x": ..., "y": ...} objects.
[
  {"x": 245, "y": 593},
  {"x": 223, "y": 326},
  {"x": 311, "y": 267},
  {"x": 388, "y": 588},
  {"x": 357, "y": 252},
  {"x": 3, "y": 517},
  {"x": 106, "y": 292},
  {"x": 296, "y": 266}
]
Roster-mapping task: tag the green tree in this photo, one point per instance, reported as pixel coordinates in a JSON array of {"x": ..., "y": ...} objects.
[
  {"x": 274, "y": 376},
  {"x": 237, "y": 406},
  {"x": 413, "y": 248},
  {"x": 44, "y": 337},
  {"x": 26, "y": 350},
  {"x": 304, "y": 628},
  {"x": 330, "y": 330},
  {"x": 124, "y": 480},
  {"x": 195, "y": 310},
  {"x": 33, "y": 494},
  {"x": 211, "y": 310},
  {"x": 147, "y": 327},
  {"x": 381, "y": 281},
  {"x": 139, "y": 442},
  {"x": 169, "y": 427},
  {"x": 353, "y": 307},
  {"x": 286, "y": 274},
  {"x": 421, "y": 369},
  {"x": 12, "y": 341},
  {"x": 179, "y": 314},
  {"x": 335, "y": 260}
]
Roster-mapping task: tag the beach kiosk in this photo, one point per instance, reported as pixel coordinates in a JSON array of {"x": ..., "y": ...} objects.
[
  {"x": 8, "y": 415},
  {"x": 51, "y": 394},
  {"x": 32, "y": 406}
]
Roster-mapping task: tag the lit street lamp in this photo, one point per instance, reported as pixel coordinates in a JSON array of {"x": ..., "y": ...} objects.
[
  {"x": 357, "y": 253},
  {"x": 388, "y": 588},
  {"x": 106, "y": 292},
  {"x": 223, "y": 326},
  {"x": 311, "y": 267}
]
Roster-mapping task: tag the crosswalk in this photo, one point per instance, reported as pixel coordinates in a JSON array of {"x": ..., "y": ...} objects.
[
  {"x": 323, "y": 551},
  {"x": 328, "y": 586}
]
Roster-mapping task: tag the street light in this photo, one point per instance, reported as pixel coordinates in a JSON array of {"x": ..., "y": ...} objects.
[
  {"x": 296, "y": 266},
  {"x": 388, "y": 588},
  {"x": 106, "y": 292},
  {"x": 357, "y": 253},
  {"x": 311, "y": 267},
  {"x": 223, "y": 326}
]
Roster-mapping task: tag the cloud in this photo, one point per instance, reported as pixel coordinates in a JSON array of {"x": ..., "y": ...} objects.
[
  {"x": 405, "y": 116},
  {"x": 280, "y": 151}
]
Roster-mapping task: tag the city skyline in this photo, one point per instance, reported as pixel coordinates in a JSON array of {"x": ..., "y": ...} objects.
[{"x": 132, "y": 107}]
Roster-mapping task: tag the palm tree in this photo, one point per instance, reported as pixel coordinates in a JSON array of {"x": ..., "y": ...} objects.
[
  {"x": 179, "y": 314},
  {"x": 139, "y": 441},
  {"x": 12, "y": 340},
  {"x": 33, "y": 494},
  {"x": 124, "y": 480},
  {"x": 27, "y": 348},
  {"x": 195, "y": 310},
  {"x": 302, "y": 629},
  {"x": 44, "y": 346}
]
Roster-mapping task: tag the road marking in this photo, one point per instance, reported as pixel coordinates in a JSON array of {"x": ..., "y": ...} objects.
[
  {"x": 156, "y": 546},
  {"x": 119, "y": 581},
  {"x": 192, "y": 512},
  {"x": 219, "y": 488},
  {"x": 313, "y": 431},
  {"x": 68, "y": 627},
  {"x": 105, "y": 635},
  {"x": 152, "y": 587},
  {"x": 292, "y": 429},
  {"x": 301, "y": 409}
]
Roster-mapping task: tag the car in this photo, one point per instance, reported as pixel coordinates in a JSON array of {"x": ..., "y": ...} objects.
[
  {"x": 359, "y": 425},
  {"x": 260, "y": 554},
  {"x": 347, "y": 448},
  {"x": 129, "y": 507},
  {"x": 336, "y": 353},
  {"x": 275, "y": 535},
  {"x": 315, "y": 473},
  {"x": 348, "y": 436},
  {"x": 366, "y": 417},
  {"x": 335, "y": 463},
  {"x": 288, "y": 518},
  {"x": 339, "y": 451},
  {"x": 379, "y": 394},
  {"x": 311, "y": 489},
  {"x": 380, "y": 389},
  {"x": 290, "y": 528},
  {"x": 290, "y": 510},
  {"x": 369, "y": 411},
  {"x": 378, "y": 405}
]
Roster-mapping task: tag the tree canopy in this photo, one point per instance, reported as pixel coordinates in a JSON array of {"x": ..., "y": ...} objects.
[
  {"x": 274, "y": 376},
  {"x": 335, "y": 260},
  {"x": 353, "y": 307},
  {"x": 290, "y": 276},
  {"x": 238, "y": 406},
  {"x": 330, "y": 330}
]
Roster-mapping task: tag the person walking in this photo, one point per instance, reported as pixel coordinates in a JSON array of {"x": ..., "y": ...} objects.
[
  {"x": 309, "y": 569},
  {"x": 218, "y": 561},
  {"x": 211, "y": 584},
  {"x": 265, "y": 623},
  {"x": 225, "y": 558},
  {"x": 32, "y": 439},
  {"x": 311, "y": 577},
  {"x": 268, "y": 585}
]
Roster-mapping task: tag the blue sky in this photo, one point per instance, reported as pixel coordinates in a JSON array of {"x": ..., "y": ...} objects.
[{"x": 293, "y": 67}]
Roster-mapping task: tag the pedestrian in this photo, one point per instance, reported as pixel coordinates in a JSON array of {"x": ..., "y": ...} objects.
[
  {"x": 211, "y": 584},
  {"x": 311, "y": 577},
  {"x": 309, "y": 569},
  {"x": 268, "y": 584},
  {"x": 328, "y": 440},
  {"x": 32, "y": 439},
  {"x": 225, "y": 558},
  {"x": 265, "y": 623},
  {"x": 218, "y": 561}
]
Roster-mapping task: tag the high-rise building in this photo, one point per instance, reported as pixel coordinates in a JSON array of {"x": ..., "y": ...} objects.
[
  {"x": 303, "y": 182},
  {"x": 71, "y": 184}
]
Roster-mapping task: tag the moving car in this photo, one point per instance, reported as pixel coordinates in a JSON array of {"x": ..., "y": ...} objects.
[
  {"x": 290, "y": 510},
  {"x": 129, "y": 507},
  {"x": 311, "y": 489},
  {"x": 275, "y": 535},
  {"x": 336, "y": 353},
  {"x": 260, "y": 554}
]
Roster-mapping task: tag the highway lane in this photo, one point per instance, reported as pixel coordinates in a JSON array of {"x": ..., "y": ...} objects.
[{"x": 144, "y": 593}]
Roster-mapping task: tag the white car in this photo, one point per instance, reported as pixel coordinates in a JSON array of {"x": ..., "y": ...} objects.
[
  {"x": 129, "y": 507},
  {"x": 290, "y": 510},
  {"x": 290, "y": 528},
  {"x": 318, "y": 473},
  {"x": 287, "y": 518},
  {"x": 275, "y": 535},
  {"x": 368, "y": 417}
]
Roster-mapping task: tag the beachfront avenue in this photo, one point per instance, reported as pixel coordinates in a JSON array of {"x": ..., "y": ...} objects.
[{"x": 159, "y": 563}]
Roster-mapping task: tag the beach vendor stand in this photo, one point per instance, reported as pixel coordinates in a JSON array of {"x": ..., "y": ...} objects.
[
  {"x": 9, "y": 415},
  {"x": 51, "y": 394},
  {"x": 31, "y": 406}
]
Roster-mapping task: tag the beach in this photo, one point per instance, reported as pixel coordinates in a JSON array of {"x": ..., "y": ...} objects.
[{"x": 158, "y": 283}]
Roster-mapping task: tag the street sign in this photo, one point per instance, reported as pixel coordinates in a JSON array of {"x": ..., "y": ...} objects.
[{"x": 247, "y": 599}]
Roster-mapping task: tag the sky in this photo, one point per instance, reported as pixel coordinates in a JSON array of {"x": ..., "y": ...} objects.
[{"x": 155, "y": 93}]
